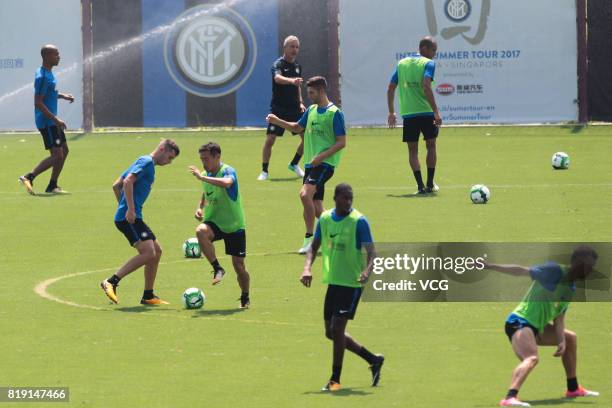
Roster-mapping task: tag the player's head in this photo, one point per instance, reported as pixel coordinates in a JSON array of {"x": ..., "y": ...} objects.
[
  {"x": 50, "y": 55},
  {"x": 165, "y": 152},
  {"x": 210, "y": 154},
  {"x": 343, "y": 197},
  {"x": 316, "y": 88},
  {"x": 582, "y": 262},
  {"x": 428, "y": 47},
  {"x": 291, "y": 47}
]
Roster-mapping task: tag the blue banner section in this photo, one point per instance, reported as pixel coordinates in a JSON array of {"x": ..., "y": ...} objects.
[
  {"x": 163, "y": 101},
  {"x": 253, "y": 97}
]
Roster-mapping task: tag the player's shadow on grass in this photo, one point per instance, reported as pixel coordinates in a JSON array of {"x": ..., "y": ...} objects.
[
  {"x": 49, "y": 195},
  {"x": 344, "y": 392},
  {"x": 217, "y": 312},
  {"x": 141, "y": 309},
  {"x": 77, "y": 136},
  {"x": 413, "y": 195},
  {"x": 284, "y": 179},
  {"x": 574, "y": 128},
  {"x": 559, "y": 401}
]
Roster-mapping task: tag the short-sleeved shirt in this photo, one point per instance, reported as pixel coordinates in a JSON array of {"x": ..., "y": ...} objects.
[
  {"x": 144, "y": 169},
  {"x": 363, "y": 233},
  {"x": 430, "y": 70},
  {"x": 339, "y": 127},
  {"x": 285, "y": 98},
  {"x": 45, "y": 84}
]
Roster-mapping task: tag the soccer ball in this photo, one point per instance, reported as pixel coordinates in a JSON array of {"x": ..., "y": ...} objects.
[
  {"x": 480, "y": 194},
  {"x": 193, "y": 298},
  {"x": 560, "y": 161},
  {"x": 191, "y": 248}
]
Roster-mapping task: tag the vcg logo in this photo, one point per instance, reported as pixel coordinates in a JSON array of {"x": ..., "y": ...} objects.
[{"x": 210, "y": 50}]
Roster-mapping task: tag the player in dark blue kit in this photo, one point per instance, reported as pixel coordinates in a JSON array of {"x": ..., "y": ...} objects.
[
  {"x": 131, "y": 190},
  {"x": 287, "y": 103},
  {"x": 50, "y": 126}
]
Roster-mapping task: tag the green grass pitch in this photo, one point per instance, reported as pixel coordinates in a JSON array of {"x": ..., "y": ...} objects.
[{"x": 275, "y": 354}]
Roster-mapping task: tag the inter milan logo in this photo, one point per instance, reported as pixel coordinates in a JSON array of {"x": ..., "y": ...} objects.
[
  {"x": 457, "y": 10},
  {"x": 210, "y": 51}
]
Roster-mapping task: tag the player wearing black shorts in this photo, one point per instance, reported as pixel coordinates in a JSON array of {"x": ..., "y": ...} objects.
[
  {"x": 131, "y": 190},
  {"x": 341, "y": 234},
  {"x": 324, "y": 139},
  {"x": 286, "y": 103},
  {"x": 414, "y": 76},
  {"x": 50, "y": 126},
  {"x": 220, "y": 209}
]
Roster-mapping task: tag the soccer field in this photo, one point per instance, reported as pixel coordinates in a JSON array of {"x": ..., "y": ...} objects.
[{"x": 58, "y": 328}]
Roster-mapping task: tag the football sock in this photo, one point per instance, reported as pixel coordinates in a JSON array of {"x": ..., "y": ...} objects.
[
  {"x": 215, "y": 265},
  {"x": 52, "y": 184},
  {"x": 245, "y": 295},
  {"x": 30, "y": 176},
  {"x": 114, "y": 280},
  {"x": 336, "y": 370},
  {"x": 366, "y": 355},
  {"x": 296, "y": 159},
  {"x": 148, "y": 294},
  {"x": 307, "y": 235},
  {"x": 264, "y": 167},
  {"x": 419, "y": 179},
  {"x": 572, "y": 384},
  {"x": 430, "y": 176},
  {"x": 512, "y": 393}
]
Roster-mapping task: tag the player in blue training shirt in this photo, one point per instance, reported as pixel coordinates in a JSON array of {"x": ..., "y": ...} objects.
[
  {"x": 50, "y": 126},
  {"x": 131, "y": 190}
]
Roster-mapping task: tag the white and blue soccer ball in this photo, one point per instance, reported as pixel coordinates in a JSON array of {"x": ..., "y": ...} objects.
[
  {"x": 191, "y": 248},
  {"x": 480, "y": 194},
  {"x": 193, "y": 298},
  {"x": 560, "y": 161}
]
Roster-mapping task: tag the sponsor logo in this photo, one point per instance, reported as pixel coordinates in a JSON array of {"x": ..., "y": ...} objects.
[
  {"x": 459, "y": 23},
  {"x": 210, "y": 50},
  {"x": 470, "y": 89},
  {"x": 445, "y": 89}
]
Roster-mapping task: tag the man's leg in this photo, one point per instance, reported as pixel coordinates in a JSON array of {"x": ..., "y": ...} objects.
[
  {"x": 526, "y": 349},
  {"x": 242, "y": 275},
  {"x": 266, "y": 154},
  {"x": 58, "y": 165},
  {"x": 569, "y": 359},
  {"x": 306, "y": 196},
  {"x": 293, "y": 165},
  {"x": 415, "y": 165},
  {"x": 206, "y": 236},
  {"x": 431, "y": 161},
  {"x": 150, "y": 269},
  {"x": 318, "y": 205}
]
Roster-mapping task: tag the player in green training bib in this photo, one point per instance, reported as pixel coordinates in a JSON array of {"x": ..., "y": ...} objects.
[
  {"x": 324, "y": 139},
  {"x": 341, "y": 234},
  {"x": 540, "y": 319},
  {"x": 220, "y": 209},
  {"x": 414, "y": 78}
]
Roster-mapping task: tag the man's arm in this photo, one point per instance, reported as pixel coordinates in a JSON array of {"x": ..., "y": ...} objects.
[
  {"x": 118, "y": 187},
  {"x": 339, "y": 145},
  {"x": 559, "y": 324},
  {"x": 432, "y": 101},
  {"x": 371, "y": 251},
  {"x": 128, "y": 191},
  {"x": 283, "y": 80},
  {"x": 67, "y": 97},
  {"x": 40, "y": 104},
  {"x": 391, "y": 119},
  {"x": 201, "y": 205},
  {"x": 225, "y": 182},
  {"x": 290, "y": 126},
  {"x": 311, "y": 255},
  {"x": 516, "y": 270}
]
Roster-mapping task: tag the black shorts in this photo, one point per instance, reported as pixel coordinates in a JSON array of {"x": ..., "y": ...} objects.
[
  {"x": 416, "y": 125},
  {"x": 138, "y": 231},
  {"x": 292, "y": 116},
  {"x": 515, "y": 325},
  {"x": 53, "y": 136},
  {"x": 341, "y": 301},
  {"x": 235, "y": 242},
  {"x": 318, "y": 176}
]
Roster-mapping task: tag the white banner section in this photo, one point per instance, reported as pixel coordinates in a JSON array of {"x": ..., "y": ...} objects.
[
  {"x": 25, "y": 26},
  {"x": 498, "y": 61}
]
